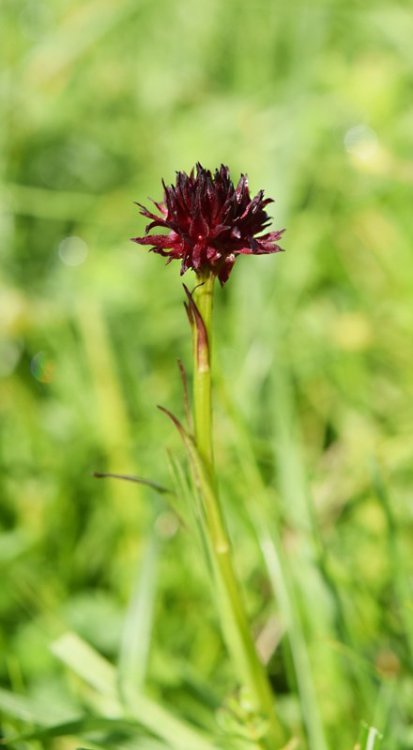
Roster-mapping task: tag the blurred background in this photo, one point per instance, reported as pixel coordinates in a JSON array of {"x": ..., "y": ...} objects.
[{"x": 100, "y": 100}]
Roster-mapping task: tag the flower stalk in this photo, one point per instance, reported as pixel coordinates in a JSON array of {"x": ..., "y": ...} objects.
[
  {"x": 202, "y": 395},
  {"x": 206, "y": 223},
  {"x": 235, "y": 623}
]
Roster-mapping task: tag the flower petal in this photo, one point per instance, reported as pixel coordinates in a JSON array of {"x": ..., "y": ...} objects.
[{"x": 210, "y": 222}]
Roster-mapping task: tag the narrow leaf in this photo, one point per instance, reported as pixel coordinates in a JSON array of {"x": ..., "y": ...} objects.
[
  {"x": 100, "y": 674},
  {"x": 202, "y": 342},
  {"x": 134, "y": 649},
  {"x": 131, "y": 478},
  {"x": 187, "y": 406}
]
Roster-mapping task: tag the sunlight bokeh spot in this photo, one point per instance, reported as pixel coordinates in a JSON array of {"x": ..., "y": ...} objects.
[
  {"x": 73, "y": 251},
  {"x": 167, "y": 524},
  {"x": 42, "y": 367},
  {"x": 361, "y": 142}
]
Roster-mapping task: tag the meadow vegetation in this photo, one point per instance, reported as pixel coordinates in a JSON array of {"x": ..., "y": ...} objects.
[{"x": 109, "y": 632}]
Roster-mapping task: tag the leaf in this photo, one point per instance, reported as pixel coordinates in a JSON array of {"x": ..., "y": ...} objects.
[
  {"x": 187, "y": 405},
  {"x": 203, "y": 483},
  {"x": 100, "y": 674},
  {"x": 86, "y": 663},
  {"x": 78, "y": 726},
  {"x": 136, "y": 637},
  {"x": 131, "y": 478},
  {"x": 19, "y": 707},
  {"x": 371, "y": 738},
  {"x": 202, "y": 342}
]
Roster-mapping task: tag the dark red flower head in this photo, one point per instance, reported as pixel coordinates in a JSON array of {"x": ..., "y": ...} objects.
[{"x": 209, "y": 222}]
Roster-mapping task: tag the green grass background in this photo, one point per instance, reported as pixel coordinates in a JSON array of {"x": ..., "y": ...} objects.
[{"x": 313, "y": 357}]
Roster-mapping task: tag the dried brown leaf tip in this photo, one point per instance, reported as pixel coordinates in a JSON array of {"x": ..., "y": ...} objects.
[
  {"x": 209, "y": 222},
  {"x": 202, "y": 343}
]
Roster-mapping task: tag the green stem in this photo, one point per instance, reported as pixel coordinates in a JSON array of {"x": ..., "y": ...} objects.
[
  {"x": 203, "y": 298},
  {"x": 235, "y": 624}
]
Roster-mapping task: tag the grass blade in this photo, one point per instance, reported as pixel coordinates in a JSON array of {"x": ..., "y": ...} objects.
[
  {"x": 100, "y": 674},
  {"x": 134, "y": 649}
]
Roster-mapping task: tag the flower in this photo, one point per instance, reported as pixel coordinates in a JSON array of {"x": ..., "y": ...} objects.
[{"x": 209, "y": 222}]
